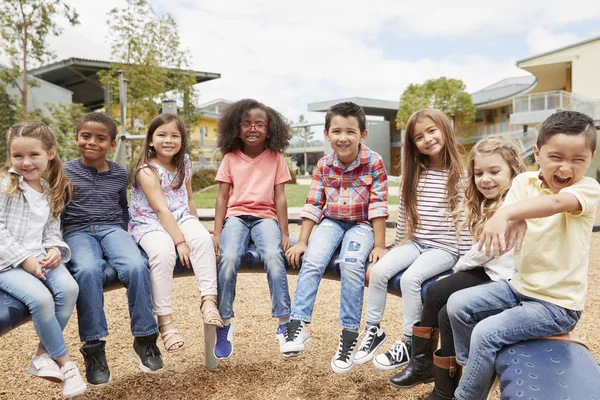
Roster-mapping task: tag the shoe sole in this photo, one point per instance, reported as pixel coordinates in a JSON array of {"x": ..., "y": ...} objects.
[
  {"x": 77, "y": 393},
  {"x": 143, "y": 367},
  {"x": 100, "y": 385},
  {"x": 290, "y": 354},
  {"x": 387, "y": 367},
  {"x": 411, "y": 386},
  {"x": 52, "y": 378},
  {"x": 371, "y": 355},
  {"x": 339, "y": 370},
  {"x": 230, "y": 339}
]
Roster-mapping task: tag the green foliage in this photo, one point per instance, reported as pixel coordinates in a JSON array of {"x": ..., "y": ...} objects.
[
  {"x": 292, "y": 172},
  {"x": 447, "y": 95},
  {"x": 24, "y": 28},
  {"x": 8, "y": 117},
  {"x": 304, "y": 132},
  {"x": 203, "y": 178}
]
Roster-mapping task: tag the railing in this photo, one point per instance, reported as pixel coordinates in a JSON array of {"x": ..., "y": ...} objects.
[
  {"x": 497, "y": 128},
  {"x": 558, "y": 99}
]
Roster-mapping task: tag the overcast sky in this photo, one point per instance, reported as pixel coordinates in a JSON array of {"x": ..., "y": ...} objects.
[{"x": 288, "y": 54}]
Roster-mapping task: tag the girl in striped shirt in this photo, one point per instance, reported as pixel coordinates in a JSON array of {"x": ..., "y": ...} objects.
[{"x": 427, "y": 239}]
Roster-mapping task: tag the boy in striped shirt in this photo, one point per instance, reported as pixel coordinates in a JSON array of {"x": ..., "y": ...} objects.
[
  {"x": 348, "y": 199},
  {"x": 94, "y": 226}
]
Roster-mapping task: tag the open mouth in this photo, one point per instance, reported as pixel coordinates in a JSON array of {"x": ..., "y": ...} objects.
[
  {"x": 561, "y": 181},
  {"x": 488, "y": 187}
]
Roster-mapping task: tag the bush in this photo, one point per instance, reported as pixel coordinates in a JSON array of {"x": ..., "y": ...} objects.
[
  {"x": 203, "y": 178},
  {"x": 292, "y": 172}
]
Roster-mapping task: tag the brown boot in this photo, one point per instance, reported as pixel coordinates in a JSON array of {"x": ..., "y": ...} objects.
[
  {"x": 447, "y": 375},
  {"x": 420, "y": 366}
]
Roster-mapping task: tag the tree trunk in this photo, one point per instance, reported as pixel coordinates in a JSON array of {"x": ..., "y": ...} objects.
[{"x": 25, "y": 87}]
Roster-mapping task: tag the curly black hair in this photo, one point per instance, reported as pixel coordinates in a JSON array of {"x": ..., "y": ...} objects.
[
  {"x": 103, "y": 119},
  {"x": 229, "y": 131}
]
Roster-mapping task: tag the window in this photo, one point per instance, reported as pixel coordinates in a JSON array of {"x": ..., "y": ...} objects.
[{"x": 479, "y": 116}]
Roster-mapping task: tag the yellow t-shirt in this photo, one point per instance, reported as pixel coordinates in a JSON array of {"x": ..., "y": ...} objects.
[{"x": 552, "y": 264}]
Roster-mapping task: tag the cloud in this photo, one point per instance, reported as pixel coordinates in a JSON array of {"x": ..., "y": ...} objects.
[{"x": 541, "y": 40}]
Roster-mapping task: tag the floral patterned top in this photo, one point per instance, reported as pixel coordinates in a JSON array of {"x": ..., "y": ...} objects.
[{"x": 143, "y": 219}]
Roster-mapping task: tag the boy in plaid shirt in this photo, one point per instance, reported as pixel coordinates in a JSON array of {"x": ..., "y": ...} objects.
[{"x": 348, "y": 199}]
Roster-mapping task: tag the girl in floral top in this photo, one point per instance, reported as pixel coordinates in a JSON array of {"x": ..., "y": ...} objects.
[{"x": 164, "y": 222}]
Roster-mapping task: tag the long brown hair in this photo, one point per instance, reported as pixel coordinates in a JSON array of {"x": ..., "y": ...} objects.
[
  {"x": 414, "y": 164},
  {"x": 477, "y": 208},
  {"x": 149, "y": 153},
  {"x": 60, "y": 185}
]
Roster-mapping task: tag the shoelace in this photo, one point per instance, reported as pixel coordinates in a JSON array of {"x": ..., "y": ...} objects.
[
  {"x": 292, "y": 332},
  {"x": 222, "y": 334},
  {"x": 397, "y": 350},
  {"x": 368, "y": 340},
  {"x": 151, "y": 350},
  {"x": 97, "y": 363},
  {"x": 345, "y": 348}
]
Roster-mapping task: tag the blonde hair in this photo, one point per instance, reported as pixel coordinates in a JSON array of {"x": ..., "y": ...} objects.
[
  {"x": 477, "y": 208},
  {"x": 415, "y": 163},
  {"x": 60, "y": 185}
]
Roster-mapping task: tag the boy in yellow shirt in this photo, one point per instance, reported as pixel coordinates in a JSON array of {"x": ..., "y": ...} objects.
[{"x": 548, "y": 215}]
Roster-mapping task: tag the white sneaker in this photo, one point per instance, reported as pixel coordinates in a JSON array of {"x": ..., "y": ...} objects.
[
  {"x": 73, "y": 384},
  {"x": 374, "y": 338},
  {"x": 296, "y": 338},
  {"x": 395, "y": 357},
  {"x": 343, "y": 361},
  {"x": 45, "y": 367}
]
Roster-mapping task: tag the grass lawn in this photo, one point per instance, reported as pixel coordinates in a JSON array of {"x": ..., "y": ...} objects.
[{"x": 296, "y": 196}]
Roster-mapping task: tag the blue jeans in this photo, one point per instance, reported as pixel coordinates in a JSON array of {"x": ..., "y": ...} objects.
[
  {"x": 91, "y": 248},
  {"x": 357, "y": 243},
  {"x": 266, "y": 235},
  {"x": 493, "y": 315},
  {"x": 423, "y": 262},
  {"x": 50, "y": 315}
]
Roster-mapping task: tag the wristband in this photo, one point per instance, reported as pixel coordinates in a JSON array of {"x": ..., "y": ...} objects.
[{"x": 178, "y": 243}]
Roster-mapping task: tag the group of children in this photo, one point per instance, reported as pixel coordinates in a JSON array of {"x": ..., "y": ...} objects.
[{"x": 484, "y": 223}]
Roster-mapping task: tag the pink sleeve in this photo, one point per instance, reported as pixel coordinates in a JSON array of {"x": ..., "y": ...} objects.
[
  {"x": 224, "y": 173},
  {"x": 283, "y": 173}
]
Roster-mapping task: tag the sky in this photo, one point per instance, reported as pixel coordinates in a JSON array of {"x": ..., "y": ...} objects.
[{"x": 288, "y": 54}]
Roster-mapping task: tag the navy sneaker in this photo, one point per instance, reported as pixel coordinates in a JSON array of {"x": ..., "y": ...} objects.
[
  {"x": 224, "y": 346},
  {"x": 374, "y": 338}
]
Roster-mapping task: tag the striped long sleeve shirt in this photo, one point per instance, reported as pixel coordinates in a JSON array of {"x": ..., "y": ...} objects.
[{"x": 436, "y": 228}]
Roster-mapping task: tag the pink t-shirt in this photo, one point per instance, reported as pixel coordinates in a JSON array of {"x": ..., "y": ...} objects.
[{"x": 253, "y": 182}]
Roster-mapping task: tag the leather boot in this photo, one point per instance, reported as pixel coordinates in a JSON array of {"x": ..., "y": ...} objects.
[
  {"x": 420, "y": 366},
  {"x": 447, "y": 374}
]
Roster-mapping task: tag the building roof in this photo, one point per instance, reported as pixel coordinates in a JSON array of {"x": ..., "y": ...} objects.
[
  {"x": 559, "y": 49},
  {"x": 79, "y": 75},
  {"x": 503, "y": 90},
  {"x": 384, "y": 108}
]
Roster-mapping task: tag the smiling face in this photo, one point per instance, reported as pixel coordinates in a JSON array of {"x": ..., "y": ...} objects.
[
  {"x": 429, "y": 140},
  {"x": 93, "y": 141},
  {"x": 344, "y": 135},
  {"x": 492, "y": 174},
  {"x": 166, "y": 140},
  {"x": 563, "y": 160},
  {"x": 30, "y": 159},
  {"x": 254, "y": 130}
]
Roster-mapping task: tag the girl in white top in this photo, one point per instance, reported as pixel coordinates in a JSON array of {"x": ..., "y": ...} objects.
[
  {"x": 32, "y": 251},
  {"x": 428, "y": 241}
]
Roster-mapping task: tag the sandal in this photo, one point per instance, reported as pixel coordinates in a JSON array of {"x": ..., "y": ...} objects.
[
  {"x": 171, "y": 337},
  {"x": 212, "y": 316}
]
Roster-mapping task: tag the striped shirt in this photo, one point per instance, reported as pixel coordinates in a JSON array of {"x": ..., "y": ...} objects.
[
  {"x": 354, "y": 194},
  {"x": 99, "y": 198},
  {"x": 436, "y": 228}
]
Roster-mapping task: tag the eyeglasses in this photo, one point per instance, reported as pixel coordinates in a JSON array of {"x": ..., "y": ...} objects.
[{"x": 261, "y": 126}]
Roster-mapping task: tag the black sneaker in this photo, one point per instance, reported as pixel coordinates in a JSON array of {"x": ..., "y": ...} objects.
[
  {"x": 374, "y": 338},
  {"x": 343, "y": 361},
  {"x": 147, "y": 353},
  {"x": 96, "y": 368},
  {"x": 395, "y": 357}
]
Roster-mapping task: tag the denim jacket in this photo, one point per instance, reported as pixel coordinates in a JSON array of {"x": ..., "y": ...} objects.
[{"x": 14, "y": 217}]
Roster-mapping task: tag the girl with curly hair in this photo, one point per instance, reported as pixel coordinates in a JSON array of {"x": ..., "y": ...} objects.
[{"x": 251, "y": 205}]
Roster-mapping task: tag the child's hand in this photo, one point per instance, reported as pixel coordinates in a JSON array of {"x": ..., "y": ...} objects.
[
  {"x": 32, "y": 265},
  {"x": 286, "y": 243},
  {"x": 494, "y": 235},
  {"x": 294, "y": 253},
  {"x": 52, "y": 259},
  {"x": 376, "y": 254},
  {"x": 184, "y": 254},
  {"x": 217, "y": 244},
  {"x": 515, "y": 234}
]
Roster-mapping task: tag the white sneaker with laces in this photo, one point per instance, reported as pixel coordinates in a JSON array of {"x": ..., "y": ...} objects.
[
  {"x": 374, "y": 338},
  {"x": 343, "y": 361},
  {"x": 45, "y": 367},
  {"x": 395, "y": 357},
  {"x": 73, "y": 384},
  {"x": 296, "y": 338}
]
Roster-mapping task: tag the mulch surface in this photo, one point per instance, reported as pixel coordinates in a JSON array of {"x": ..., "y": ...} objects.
[{"x": 256, "y": 370}]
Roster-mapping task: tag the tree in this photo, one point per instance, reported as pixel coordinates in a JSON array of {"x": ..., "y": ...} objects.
[
  {"x": 447, "y": 95},
  {"x": 24, "y": 29},
  {"x": 8, "y": 117}
]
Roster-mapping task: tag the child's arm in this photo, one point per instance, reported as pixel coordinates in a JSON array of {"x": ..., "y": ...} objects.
[
  {"x": 379, "y": 244},
  {"x": 220, "y": 212},
  {"x": 282, "y": 216},
  {"x": 378, "y": 209},
  {"x": 191, "y": 204},
  {"x": 57, "y": 251},
  {"x": 497, "y": 231},
  {"x": 150, "y": 184},
  {"x": 295, "y": 252}
]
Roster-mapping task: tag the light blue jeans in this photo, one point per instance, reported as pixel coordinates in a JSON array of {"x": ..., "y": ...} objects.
[
  {"x": 423, "y": 262},
  {"x": 266, "y": 235},
  {"x": 487, "y": 317},
  {"x": 50, "y": 315},
  {"x": 357, "y": 243}
]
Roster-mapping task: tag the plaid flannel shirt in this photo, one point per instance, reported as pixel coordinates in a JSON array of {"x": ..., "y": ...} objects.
[
  {"x": 354, "y": 194},
  {"x": 14, "y": 217}
]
